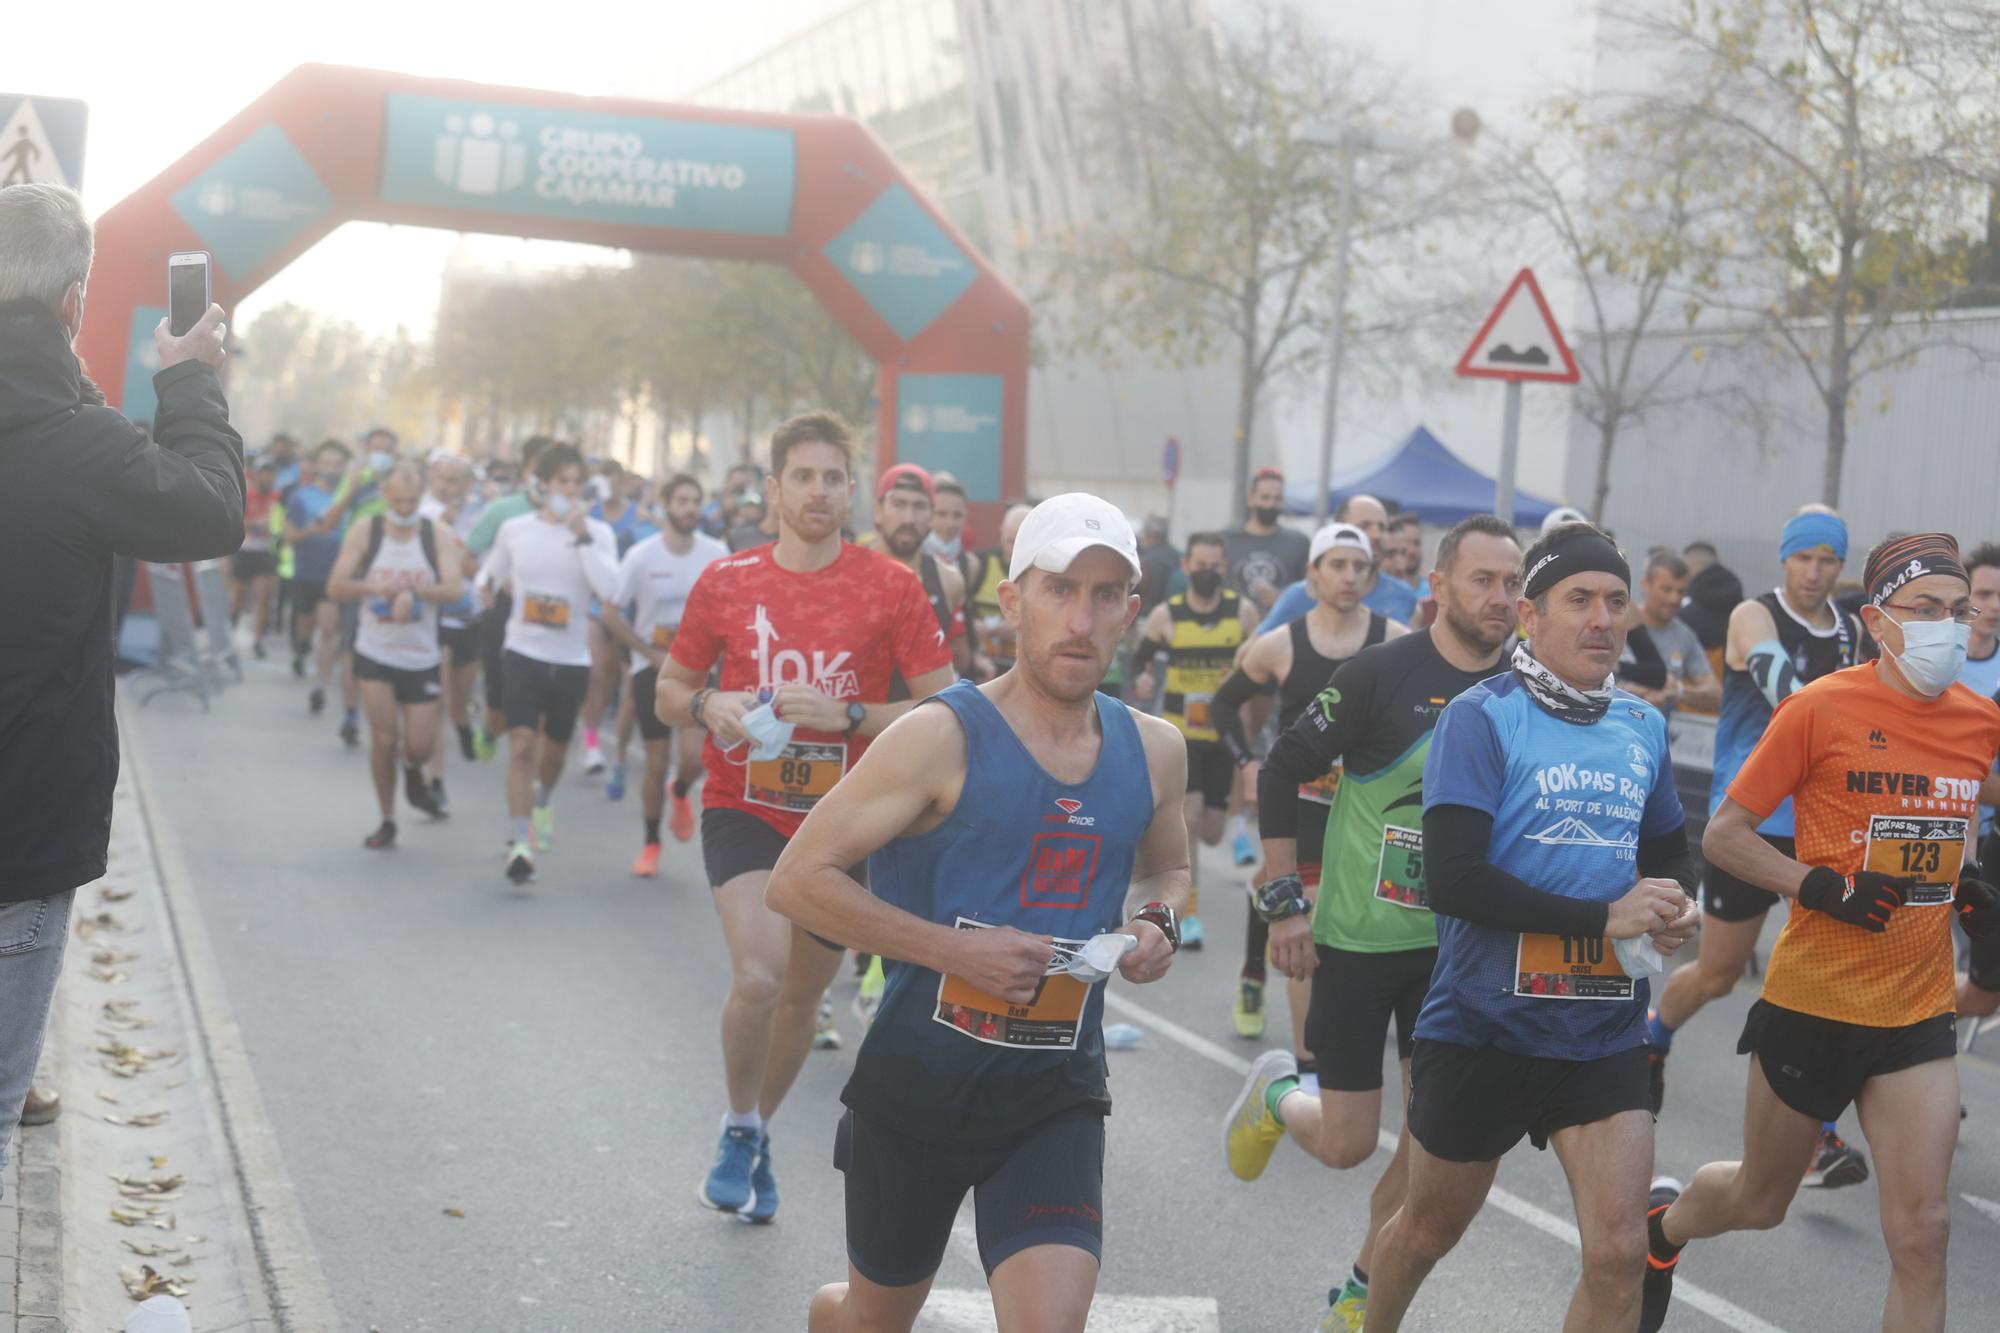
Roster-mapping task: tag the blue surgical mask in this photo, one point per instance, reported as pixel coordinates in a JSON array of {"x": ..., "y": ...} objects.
[
  {"x": 1933, "y": 653},
  {"x": 380, "y": 461},
  {"x": 559, "y": 506},
  {"x": 769, "y": 734},
  {"x": 403, "y": 521}
]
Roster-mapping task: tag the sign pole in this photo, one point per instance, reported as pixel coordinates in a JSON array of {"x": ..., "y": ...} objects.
[{"x": 1510, "y": 453}]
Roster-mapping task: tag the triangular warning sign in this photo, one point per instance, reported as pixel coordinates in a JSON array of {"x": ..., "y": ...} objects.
[
  {"x": 1520, "y": 340},
  {"x": 26, "y": 155}
]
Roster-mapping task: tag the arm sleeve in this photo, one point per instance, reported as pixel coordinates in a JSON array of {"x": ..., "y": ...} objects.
[
  {"x": 919, "y": 645},
  {"x": 1464, "y": 884},
  {"x": 1668, "y": 856},
  {"x": 1307, "y": 749},
  {"x": 696, "y": 644},
  {"x": 1778, "y": 765},
  {"x": 180, "y": 498},
  {"x": 1225, "y": 714},
  {"x": 1770, "y": 669}
]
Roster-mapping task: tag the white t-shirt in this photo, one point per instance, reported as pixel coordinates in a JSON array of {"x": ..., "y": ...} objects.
[
  {"x": 410, "y": 645},
  {"x": 554, "y": 581},
  {"x": 653, "y": 584}
]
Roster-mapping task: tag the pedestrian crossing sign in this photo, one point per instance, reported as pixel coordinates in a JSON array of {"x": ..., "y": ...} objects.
[{"x": 41, "y": 140}]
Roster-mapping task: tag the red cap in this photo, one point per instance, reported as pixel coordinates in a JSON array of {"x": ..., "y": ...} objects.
[{"x": 907, "y": 477}]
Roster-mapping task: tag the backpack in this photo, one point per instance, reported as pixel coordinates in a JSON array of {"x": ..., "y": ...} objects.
[{"x": 426, "y": 538}]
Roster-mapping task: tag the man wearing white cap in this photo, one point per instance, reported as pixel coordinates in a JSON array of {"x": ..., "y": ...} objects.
[{"x": 1016, "y": 858}]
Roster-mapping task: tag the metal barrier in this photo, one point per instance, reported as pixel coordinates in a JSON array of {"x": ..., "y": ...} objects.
[
  {"x": 211, "y": 591},
  {"x": 183, "y": 666}
]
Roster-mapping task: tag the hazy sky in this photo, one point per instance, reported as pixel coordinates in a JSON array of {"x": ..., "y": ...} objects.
[{"x": 159, "y": 78}]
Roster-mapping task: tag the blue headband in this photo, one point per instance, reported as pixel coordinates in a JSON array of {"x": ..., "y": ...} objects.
[{"x": 1806, "y": 531}]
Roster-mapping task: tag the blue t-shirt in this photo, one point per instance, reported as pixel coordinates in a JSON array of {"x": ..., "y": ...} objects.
[
  {"x": 631, "y": 528},
  {"x": 313, "y": 556},
  {"x": 1569, "y": 804},
  {"x": 1393, "y": 598},
  {"x": 1292, "y": 603}
]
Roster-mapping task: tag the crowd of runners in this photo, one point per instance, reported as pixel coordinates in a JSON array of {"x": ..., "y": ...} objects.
[{"x": 1444, "y": 785}]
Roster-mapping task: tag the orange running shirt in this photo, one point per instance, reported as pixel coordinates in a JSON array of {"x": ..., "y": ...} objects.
[{"x": 1884, "y": 782}]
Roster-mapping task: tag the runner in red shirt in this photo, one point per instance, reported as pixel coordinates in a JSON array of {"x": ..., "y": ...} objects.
[
  {"x": 816, "y": 628},
  {"x": 253, "y": 571}
]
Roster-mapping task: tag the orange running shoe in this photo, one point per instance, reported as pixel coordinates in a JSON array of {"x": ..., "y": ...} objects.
[
  {"x": 648, "y": 864},
  {"x": 682, "y": 823}
]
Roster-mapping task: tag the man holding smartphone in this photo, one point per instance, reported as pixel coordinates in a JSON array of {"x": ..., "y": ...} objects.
[{"x": 78, "y": 484}]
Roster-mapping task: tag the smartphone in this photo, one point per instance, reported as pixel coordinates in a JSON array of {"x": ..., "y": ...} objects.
[{"x": 187, "y": 290}]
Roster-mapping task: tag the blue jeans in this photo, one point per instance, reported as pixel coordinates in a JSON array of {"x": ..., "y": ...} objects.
[{"x": 32, "y": 935}]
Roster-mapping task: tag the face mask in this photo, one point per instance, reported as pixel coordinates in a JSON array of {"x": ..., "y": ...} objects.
[
  {"x": 1267, "y": 516},
  {"x": 380, "y": 461},
  {"x": 403, "y": 521},
  {"x": 1099, "y": 957},
  {"x": 1933, "y": 653},
  {"x": 769, "y": 734},
  {"x": 944, "y": 550},
  {"x": 559, "y": 506},
  {"x": 1205, "y": 582}
]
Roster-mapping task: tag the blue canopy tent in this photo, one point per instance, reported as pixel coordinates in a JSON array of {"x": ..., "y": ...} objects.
[{"x": 1428, "y": 480}]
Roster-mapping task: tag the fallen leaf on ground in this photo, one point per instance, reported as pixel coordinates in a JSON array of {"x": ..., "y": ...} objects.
[
  {"x": 144, "y": 1283},
  {"x": 107, "y": 923},
  {"x": 454, "y": 1212},
  {"x": 123, "y": 1015},
  {"x": 149, "y": 1250},
  {"x": 104, "y": 1096},
  {"x": 144, "y": 1120},
  {"x": 105, "y": 975},
  {"x": 126, "y": 1217},
  {"x": 137, "y": 1187},
  {"x": 111, "y": 895}
]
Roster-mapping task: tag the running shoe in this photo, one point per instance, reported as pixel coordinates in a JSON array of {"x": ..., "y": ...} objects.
[
  {"x": 1240, "y": 846},
  {"x": 1249, "y": 1011},
  {"x": 520, "y": 863},
  {"x": 545, "y": 826},
  {"x": 869, "y": 998},
  {"x": 681, "y": 821},
  {"x": 437, "y": 797},
  {"x": 316, "y": 701},
  {"x": 826, "y": 1037},
  {"x": 468, "y": 747},
  {"x": 763, "y": 1186},
  {"x": 728, "y": 1185},
  {"x": 381, "y": 838},
  {"x": 1834, "y": 1164},
  {"x": 1656, "y": 1076},
  {"x": 1346, "y": 1309},
  {"x": 1658, "y": 1289},
  {"x": 350, "y": 731},
  {"x": 257, "y": 649},
  {"x": 647, "y": 863},
  {"x": 1192, "y": 934},
  {"x": 614, "y": 787},
  {"x": 418, "y": 792},
  {"x": 1250, "y": 1133},
  {"x": 482, "y": 743},
  {"x": 593, "y": 761}
]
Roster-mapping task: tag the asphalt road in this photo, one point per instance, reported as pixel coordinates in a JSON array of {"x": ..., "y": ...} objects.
[{"x": 427, "y": 1037}]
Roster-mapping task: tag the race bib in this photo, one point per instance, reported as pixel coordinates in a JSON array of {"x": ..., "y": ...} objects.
[
  {"x": 1047, "y": 1022},
  {"x": 1399, "y": 871},
  {"x": 1569, "y": 967},
  {"x": 1321, "y": 789},
  {"x": 548, "y": 612},
  {"x": 1931, "y": 848},
  {"x": 1195, "y": 709},
  {"x": 797, "y": 778},
  {"x": 663, "y": 637}
]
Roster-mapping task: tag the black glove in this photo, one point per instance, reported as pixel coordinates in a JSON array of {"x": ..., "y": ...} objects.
[
  {"x": 1978, "y": 904},
  {"x": 1864, "y": 899}
]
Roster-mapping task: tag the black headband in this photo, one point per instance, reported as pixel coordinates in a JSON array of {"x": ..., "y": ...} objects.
[
  {"x": 1894, "y": 563},
  {"x": 1580, "y": 553}
]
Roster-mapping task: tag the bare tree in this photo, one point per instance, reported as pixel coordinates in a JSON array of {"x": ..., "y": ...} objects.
[{"x": 1860, "y": 137}]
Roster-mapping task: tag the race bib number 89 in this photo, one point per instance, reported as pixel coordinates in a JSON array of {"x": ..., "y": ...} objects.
[{"x": 797, "y": 778}]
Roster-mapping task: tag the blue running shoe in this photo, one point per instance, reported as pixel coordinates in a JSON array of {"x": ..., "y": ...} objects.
[
  {"x": 1240, "y": 846},
  {"x": 615, "y": 787},
  {"x": 764, "y": 1186},
  {"x": 728, "y": 1185}
]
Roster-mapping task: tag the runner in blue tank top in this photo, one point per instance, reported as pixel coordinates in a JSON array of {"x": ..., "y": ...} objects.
[
  {"x": 1006, "y": 832},
  {"x": 1552, "y": 835}
]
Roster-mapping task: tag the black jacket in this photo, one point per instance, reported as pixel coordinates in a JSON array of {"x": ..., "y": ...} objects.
[
  {"x": 1711, "y": 596},
  {"x": 78, "y": 483}
]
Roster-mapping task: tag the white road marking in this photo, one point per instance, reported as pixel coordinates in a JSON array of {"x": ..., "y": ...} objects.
[
  {"x": 957, "y": 1310},
  {"x": 1986, "y": 1206},
  {"x": 1724, "y": 1312}
]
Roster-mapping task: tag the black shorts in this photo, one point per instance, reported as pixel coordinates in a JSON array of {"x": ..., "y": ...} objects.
[
  {"x": 410, "y": 687},
  {"x": 1473, "y": 1104},
  {"x": 462, "y": 642},
  {"x": 247, "y": 565},
  {"x": 1047, "y": 1188},
  {"x": 1817, "y": 1065},
  {"x": 736, "y": 842},
  {"x": 650, "y": 726},
  {"x": 1354, "y": 995},
  {"x": 307, "y": 594},
  {"x": 1727, "y": 898},
  {"x": 1211, "y": 773},
  {"x": 544, "y": 693}
]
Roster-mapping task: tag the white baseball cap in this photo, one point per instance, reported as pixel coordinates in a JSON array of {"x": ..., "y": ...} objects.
[
  {"x": 1338, "y": 534},
  {"x": 1562, "y": 514},
  {"x": 1061, "y": 528}
]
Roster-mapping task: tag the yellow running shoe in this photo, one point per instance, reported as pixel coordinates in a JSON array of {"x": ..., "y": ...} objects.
[
  {"x": 1348, "y": 1311},
  {"x": 1249, "y": 1010},
  {"x": 1250, "y": 1133}
]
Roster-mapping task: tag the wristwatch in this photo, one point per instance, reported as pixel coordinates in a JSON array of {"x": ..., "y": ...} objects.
[
  {"x": 1280, "y": 897},
  {"x": 857, "y": 713},
  {"x": 1162, "y": 916}
]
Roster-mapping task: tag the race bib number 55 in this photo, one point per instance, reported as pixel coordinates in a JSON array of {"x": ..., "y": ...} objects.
[
  {"x": 1929, "y": 849},
  {"x": 1569, "y": 967},
  {"x": 1049, "y": 1021}
]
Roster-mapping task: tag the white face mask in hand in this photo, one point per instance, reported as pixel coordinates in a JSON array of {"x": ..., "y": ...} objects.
[
  {"x": 768, "y": 733},
  {"x": 1100, "y": 955}
]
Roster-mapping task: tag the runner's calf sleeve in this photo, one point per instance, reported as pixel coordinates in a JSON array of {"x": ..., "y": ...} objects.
[
  {"x": 1464, "y": 884},
  {"x": 1225, "y": 712}
]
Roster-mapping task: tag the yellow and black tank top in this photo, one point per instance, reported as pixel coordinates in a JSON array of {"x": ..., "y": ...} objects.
[{"x": 1199, "y": 655}]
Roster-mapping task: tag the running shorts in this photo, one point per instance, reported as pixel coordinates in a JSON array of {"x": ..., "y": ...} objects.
[
  {"x": 650, "y": 726},
  {"x": 462, "y": 642},
  {"x": 1211, "y": 773},
  {"x": 736, "y": 842},
  {"x": 307, "y": 594},
  {"x": 1817, "y": 1065},
  {"x": 1045, "y": 1188},
  {"x": 1473, "y": 1104},
  {"x": 1727, "y": 898},
  {"x": 1354, "y": 995},
  {"x": 247, "y": 565},
  {"x": 544, "y": 693},
  {"x": 409, "y": 687}
]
